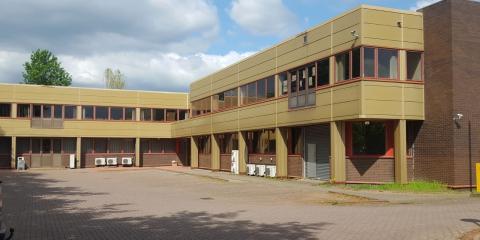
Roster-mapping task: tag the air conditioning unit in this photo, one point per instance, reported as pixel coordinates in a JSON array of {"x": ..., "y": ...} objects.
[
  {"x": 127, "y": 161},
  {"x": 270, "y": 171},
  {"x": 251, "y": 169},
  {"x": 99, "y": 161},
  {"x": 260, "y": 170},
  {"x": 71, "y": 161},
  {"x": 21, "y": 163},
  {"x": 111, "y": 161}
]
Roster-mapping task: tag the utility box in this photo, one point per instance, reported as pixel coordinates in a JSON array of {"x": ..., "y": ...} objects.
[
  {"x": 234, "y": 167},
  {"x": 71, "y": 164},
  {"x": 21, "y": 163}
]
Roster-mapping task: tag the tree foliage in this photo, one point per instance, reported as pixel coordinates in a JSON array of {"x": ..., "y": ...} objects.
[
  {"x": 45, "y": 69},
  {"x": 114, "y": 79}
]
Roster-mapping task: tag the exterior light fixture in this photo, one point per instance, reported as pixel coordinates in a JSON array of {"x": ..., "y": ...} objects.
[{"x": 354, "y": 34}]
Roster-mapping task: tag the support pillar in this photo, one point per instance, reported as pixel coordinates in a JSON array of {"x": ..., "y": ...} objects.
[
  {"x": 194, "y": 153},
  {"x": 242, "y": 153},
  {"x": 400, "y": 138},
  {"x": 337, "y": 152},
  {"x": 215, "y": 153},
  {"x": 78, "y": 153},
  {"x": 13, "y": 112},
  {"x": 281, "y": 151},
  {"x": 13, "y": 153},
  {"x": 137, "y": 152}
]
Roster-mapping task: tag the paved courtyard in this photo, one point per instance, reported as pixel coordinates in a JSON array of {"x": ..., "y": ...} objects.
[{"x": 196, "y": 204}]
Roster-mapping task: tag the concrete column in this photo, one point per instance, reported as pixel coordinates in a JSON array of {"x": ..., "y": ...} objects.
[
  {"x": 400, "y": 138},
  {"x": 242, "y": 153},
  {"x": 79, "y": 112},
  {"x": 13, "y": 112},
  {"x": 78, "y": 153},
  {"x": 194, "y": 153},
  {"x": 332, "y": 70},
  {"x": 402, "y": 60},
  {"x": 337, "y": 152},
  {"x": 13, "y": 154},
  {"x": 137, "y": 114},
  {"x": 137, "y": 152},
  {"x": 215, "y": 153},
  {"x": 281, "y": 151}
]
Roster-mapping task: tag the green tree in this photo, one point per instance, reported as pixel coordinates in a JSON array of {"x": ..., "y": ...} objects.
[
  {"x": 45, "y": 69},
  {"x": 114, "y": 79}
]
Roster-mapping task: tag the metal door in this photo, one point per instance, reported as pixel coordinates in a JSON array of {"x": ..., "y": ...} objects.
[{"x": 317, "y": 142}]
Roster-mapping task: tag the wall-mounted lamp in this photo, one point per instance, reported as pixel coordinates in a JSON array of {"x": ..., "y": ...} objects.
[{"x": 354, "y": 34}]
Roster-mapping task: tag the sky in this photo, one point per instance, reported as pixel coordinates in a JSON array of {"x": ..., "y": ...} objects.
[{"x": 160, "y": 45}]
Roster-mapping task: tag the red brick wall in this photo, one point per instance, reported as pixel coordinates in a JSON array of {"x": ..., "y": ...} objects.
[
  {"x": 204, "y": 161},
  {"x": 225, "y": 162},
  {"x": 159, "y": 159},
  {"x": 370, "y": 169},
  {"x": 294, "y": 166}
]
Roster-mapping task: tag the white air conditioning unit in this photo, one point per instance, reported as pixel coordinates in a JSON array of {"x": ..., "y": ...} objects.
[
  {"x": 112, "y": 161},
  {"x": 270, "y": 171},
  {"x": 234, "y": 167},
  {"x": 251, "y": 169},
  {"x": 127, "y": 161},
  {"x": 71, "y": 161},
  {"x": 99, "y": 161},
  {"x": 260, "y": 170},
  {"x": 21, "y": 163}
]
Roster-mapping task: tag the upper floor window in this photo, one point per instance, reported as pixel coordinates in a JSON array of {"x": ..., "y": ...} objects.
[
  {"x": 201, "y": 106},
  {"x": 182, "y": 114},
  {"x": 283, "y": 78},
  {"x": 23, "y": 110},
  {"x": 414, "y": 65},
  {"x": 171, "y": 115},
  {"x": 58, "y": 111},
  {"x": 258, "y": 90},
  {"x": 158, "y": 115},
  {"x": 146, "y": 114},
  {"x": 130, "y": 114},
  {"x": 323, "y": 72},
  {"x": 87, "y": 112},
  {"x": 388, "y": 63},
  {"x": 342, "y": 64},
  {"x": 5, "y": 109},
  {"x": 70, "y": 112},
  {"x": 116, "y": 113},
  {"x": 225, "y": 100},
  {"x": 101, "y": 113}
]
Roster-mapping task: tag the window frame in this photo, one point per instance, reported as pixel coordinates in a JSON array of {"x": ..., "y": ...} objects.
[
  {"x": 422, "y": 66},
  {"x": 74, "y": 111},
  {"x": 389, "y": 141},
  {"x": 9, "y": 108}
]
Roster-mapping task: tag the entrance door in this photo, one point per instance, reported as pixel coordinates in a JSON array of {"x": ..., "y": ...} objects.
[{"x": 317, "y": 142}]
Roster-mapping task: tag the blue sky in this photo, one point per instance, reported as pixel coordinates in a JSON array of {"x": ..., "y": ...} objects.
[{"x": 157, "y": 44}]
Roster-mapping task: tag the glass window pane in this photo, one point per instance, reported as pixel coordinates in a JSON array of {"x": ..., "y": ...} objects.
[
  {"x": 183, "y": 115},
  {"x": 159, "y": 115},
  {"x": 169, "y": 146},
  {"x": 156, "y": 146},
  {"x": 387, "y": 63},
  {"x": 261, "y": 90},
  {"x": 69, "y": 145},
  {"x": 414, "y": 65},
  {"x": 101, "y": 113},
  {"x": 87, "y": 112},
  {"x": 115, "y": 145},
  {"x": 100, "y": 145},
  {"x": 146, "y": 114},
  {"x": 116, "y": 113},
  {"x": 47, "y": 111},
  {"x": 130, "y": 114},
  {"x": 271, "y": 87},
  {"x": 35, "y": 145},
  {"x": 293, "y": 81},
  {"x": 302, "y": 79},
  {"x": 356, "y": 63},
  {"x": 369, "y": 62},
  {"x": 5, "y": 109},
  {"x": 342, "y": 64},
  {"x": 37, "y": 111},
  {"x": 23, "y": 145},
  {"x": 283, "y": 77},
  {"x": 23, "y": 110},
  {"x": 243, "y": 94},
  {"x": 171, "y": 115},
  {"x": 87, "y": 145},
  {"x": 46, "y": 145},
  {"x": 252, "y": 92},
  {"x": 368, "y": 138},
  {"x": 57, "y": 111},
  {"x": 312, "y": 74},
  {"x": 323, "y": 72},
  {"x": 70, "y": 112},
  {"x": 129, "y": 145},
  {"x": 57, "y": 145}
]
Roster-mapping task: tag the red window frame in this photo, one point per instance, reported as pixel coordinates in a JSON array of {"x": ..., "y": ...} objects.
[{"x": 389, "y": 142}]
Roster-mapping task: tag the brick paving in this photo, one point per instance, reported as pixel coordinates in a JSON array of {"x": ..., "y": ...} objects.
[{"x": 159, "y": 204}]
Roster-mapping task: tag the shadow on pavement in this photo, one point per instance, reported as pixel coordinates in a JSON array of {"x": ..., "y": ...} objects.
[{"x": 38, "y": 210}]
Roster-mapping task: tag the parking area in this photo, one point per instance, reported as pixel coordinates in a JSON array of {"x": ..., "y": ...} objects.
[{"x": 154, "y": 203}]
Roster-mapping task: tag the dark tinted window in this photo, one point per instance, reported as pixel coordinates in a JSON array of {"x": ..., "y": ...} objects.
[
  {"x": 23, "y": 110},
  {"x": 116, "y": 113},
  {"x": 323, "y": 72},
  {"x": 5, "y": 109},
  {"x": 87, "y": 112},
  {"x": 368, "y": 138},
  {"x": 101, "y": 113},
  {"x": 70, "y": 112},
  {"x": 57, "y": 111}
]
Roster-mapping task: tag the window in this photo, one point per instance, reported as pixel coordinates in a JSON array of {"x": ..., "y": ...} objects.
[
  {"x": 261, "y": 142},
  {"x": 182, "y": 114},
  {"x": 129, "y": 145},
  {"x": 342, "y": 64},
  {"x": 414, "y": 66},
  {"x": 283, "y": 77},
  {"x": 5, "y": 109},
  {"x": 101, "y": 113},
  {"x": 69, "y": 145},
  {"x": 87, "y": 112},
  {"x": 57, "y": 111},
  {"x": 223, "y": 100},
  {"x": 387, "y": 63},
  {"x": 57, "y": 145},
  {"x": 46, "y": 145},
  {"x": 323, "y": 68},
  {"x": 296, "y": 141},
  {"x": 36, "y": 145},
  {"x": 228, "y": 142},
  {"x": 204, "y": 145},
  {"x": 271, "y": 87},
  {"x": 70, "y": 112},
  {"x": 37, "y": 111},
  {"x": 293, "y": 81},
  {"x": 356, "y": 63},
  {"x": 23, "y": 146},
  {"x": 23, "y": 110},
  {"x": 159, "y": 115},
  {"x": 252, "y": 92},
  {"x": 261, "y": 90},
  {"x": 312, "y": 74},
  {"x": 302, "y": 76},
  {"x": 130, "y": 114},
  {"x": 368, "y": 138},
  {"x": 116, "y": 113},
  {"x": 258, "y": 90},
  {"x": 100, "y": 145},
  {"x": 202, "y": 106},
  {"x": 115, "y": 145},
  {"x": 146, "y": 114},
  {"x": 47, "y": 111},
  {"x": 369, "y": 62},
  {"x": 171, "y": 115},
  {"x": 87, "y": 145}
]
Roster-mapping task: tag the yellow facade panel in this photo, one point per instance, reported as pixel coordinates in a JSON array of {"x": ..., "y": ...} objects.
[
  {"x": 225, "y": 84},
  {"x": 346, "y": 109},
  {"x": 412, "y": 21},
  {"x": 290, "y": 45},
  {"x": 267, "y": 66},
  {"x": 346, "y": 21},
  {"x": 257, "y": 59},
  {"x": 378, "y": 107},
  {"x": 385, "y": 32},
  {"x": 413, "y": 35},
  {"x": 319, "y": 32},
  {"x": 377, "y": 16},
  {"x": 321, "y": 46}
]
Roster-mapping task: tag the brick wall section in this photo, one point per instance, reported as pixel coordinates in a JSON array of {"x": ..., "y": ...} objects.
[
  {"x": 205, "y": 161},
  {"x": 225, "y": 162},
  {"x": 452, "y": 37},
  {"x": 295, "y": 166},
  {"x": 159, "y": 159},
  {"x": 370, "y": 169}
]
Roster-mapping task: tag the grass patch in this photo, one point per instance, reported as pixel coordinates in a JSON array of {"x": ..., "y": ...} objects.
[{"x": 417, "y": 186}]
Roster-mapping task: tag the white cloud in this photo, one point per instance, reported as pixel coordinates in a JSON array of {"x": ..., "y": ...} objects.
[
  {"x": 423, "y": 3},
  {"x": 265, "y": 17},
  {"x": 148, "y": 71}
]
